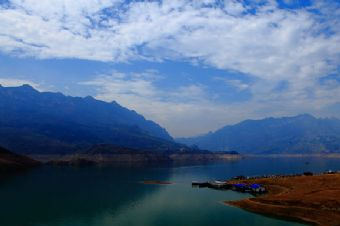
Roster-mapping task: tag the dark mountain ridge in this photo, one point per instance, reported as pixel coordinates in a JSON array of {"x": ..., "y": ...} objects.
[
  {"x": 299, "y": 134},
  {"x": 46, "y": 122},
  {"x": 10, "y": 161}
]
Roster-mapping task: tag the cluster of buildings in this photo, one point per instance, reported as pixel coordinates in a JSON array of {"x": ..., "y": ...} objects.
[
  {"x": 307, "y": 173},
  {"x": 251, "y": 188},
  {"x": 224, "y": 185}
]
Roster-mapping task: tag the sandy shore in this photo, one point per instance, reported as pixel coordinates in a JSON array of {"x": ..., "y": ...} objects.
[{"x": 310, "y": 199}]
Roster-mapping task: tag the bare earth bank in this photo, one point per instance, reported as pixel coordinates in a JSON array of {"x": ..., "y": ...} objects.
[{"x": 310, "y": 199}]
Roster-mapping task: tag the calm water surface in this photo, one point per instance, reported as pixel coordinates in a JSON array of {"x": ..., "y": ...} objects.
[{"x": 111, "y": 196}]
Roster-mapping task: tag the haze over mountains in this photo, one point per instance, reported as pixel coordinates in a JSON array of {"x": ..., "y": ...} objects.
[
  {"x": 45, "y": 122},
  {"x": 299, "y": 134},
  {"x": 33, "y": 122}
]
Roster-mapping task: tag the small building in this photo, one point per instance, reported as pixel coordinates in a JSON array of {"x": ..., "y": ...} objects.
[
  {"x": 240, "y": 177},
  {"x": 239, "y": 187},
  {"x": 256, "y": 188},
  {"x": 330, "y": 172},
  {"x": 199, "y": 184},
  {"x": 308, "y": 173}
]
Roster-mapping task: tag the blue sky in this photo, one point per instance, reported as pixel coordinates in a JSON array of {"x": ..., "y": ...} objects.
[{"x": 191, "y": 66}]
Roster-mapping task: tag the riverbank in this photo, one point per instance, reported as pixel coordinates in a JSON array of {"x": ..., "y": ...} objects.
[
  {"x": 139, "y": 158},
  {"x": 157, "y": 182},
  {"x": 309, "y": 199},
  {"x": 313, "y": 155}
]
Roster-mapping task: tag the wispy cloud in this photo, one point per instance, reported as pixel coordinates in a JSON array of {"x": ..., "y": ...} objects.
[
  {"x": 236, "y": 83},
  {"x": 191, "y": 109},
  {"x": 273, "y": 43},
  {"x": 11, "y": 82},
  {"x": 178, "y": 109}
]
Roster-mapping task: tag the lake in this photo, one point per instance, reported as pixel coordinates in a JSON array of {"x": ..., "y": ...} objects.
[{"x": 107, "y": 196}]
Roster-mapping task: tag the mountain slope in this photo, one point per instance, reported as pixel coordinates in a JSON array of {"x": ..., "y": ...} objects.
[
  {"x": 299, "y": 134},
  {"x": 11, "y": 161},
  {"x": 45, "y": 122}
]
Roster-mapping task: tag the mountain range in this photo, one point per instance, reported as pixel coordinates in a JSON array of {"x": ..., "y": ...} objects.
[
  {"x": 33, "y": 122},
  {"x": 287, "y": 135}
]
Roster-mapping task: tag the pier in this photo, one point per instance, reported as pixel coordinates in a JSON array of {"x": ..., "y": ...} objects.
[{"x": 225, "y": 185}]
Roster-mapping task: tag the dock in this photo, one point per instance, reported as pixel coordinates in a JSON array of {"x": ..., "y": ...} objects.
[
  {"x": 200, "y": 184},
  {"x": 239, "y": 184},
  {"x": 211, "y": 184},
  {"x": 224, "y": 185}
]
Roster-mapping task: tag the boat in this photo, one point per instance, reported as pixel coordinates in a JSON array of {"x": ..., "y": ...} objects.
[
  {"x": 218, "y": 184},
  {"x": 199, "y": 184}
]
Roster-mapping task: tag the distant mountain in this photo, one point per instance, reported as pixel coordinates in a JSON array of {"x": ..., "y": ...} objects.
[
  {"x": 46, "y": 122},
  {"x": 299, "y": 134},
  {"x": 10, "y": 161}
]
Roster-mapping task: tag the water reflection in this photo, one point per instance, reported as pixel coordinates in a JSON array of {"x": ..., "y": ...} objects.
[
  {"x": 50, "y": 195},
  {"x": 92, "y": 196}
]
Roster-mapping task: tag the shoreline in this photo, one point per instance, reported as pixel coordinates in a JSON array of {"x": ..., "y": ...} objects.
[
  {"x": 306, "y": 199},
  {"x": 319, "y": 155},
  {"x": 56, "y": 159},
  {"x": 156, "y": 182},
  {"x": 134, "y": 158}
]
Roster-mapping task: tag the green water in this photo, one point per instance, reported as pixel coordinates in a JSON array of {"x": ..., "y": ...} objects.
[{"x": 107, "y": 196}]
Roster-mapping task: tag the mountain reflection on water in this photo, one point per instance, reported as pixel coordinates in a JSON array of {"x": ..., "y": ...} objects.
[{"x": 103, "y": 196}]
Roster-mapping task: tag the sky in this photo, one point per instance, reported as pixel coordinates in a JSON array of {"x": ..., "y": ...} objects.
[{"x": 191, "y": 66}]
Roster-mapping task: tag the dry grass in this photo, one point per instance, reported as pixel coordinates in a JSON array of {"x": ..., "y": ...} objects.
[{"x": 310, "y": 199}]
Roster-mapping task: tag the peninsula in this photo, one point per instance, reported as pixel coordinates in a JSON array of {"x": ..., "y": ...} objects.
[{"x": 306, "y": 198}]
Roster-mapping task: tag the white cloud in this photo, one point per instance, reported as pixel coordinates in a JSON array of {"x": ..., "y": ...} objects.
[
  {"x": 10, "y": 82},
  {"x": 273, "y": 43},
  {"x": 121, "y": 86},
  {"x": 234, "y": 7},
  {"x": 190, "y": 110},
  {"x": 177, "y": 109},
  {"x": 236, "y": 83}
]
